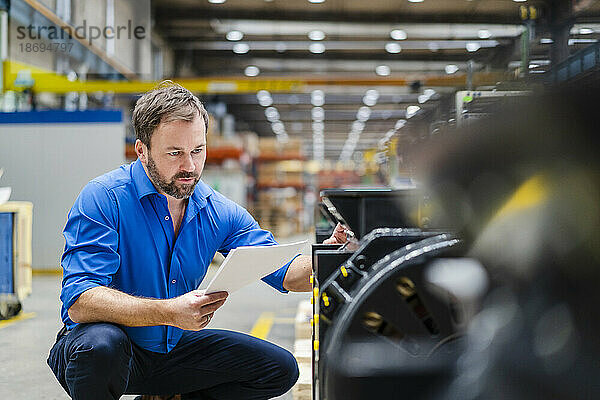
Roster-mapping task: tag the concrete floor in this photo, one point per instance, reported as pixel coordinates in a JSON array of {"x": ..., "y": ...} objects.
[{"x": 25, "y": 343}]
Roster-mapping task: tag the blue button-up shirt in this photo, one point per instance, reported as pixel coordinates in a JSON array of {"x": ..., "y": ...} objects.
[{"x": 119, "y": 234}]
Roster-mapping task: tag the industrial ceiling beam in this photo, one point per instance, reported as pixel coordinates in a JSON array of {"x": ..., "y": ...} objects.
[{"x": 172, "y": 14}]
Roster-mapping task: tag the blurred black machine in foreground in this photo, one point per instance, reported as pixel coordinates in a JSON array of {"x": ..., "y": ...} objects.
[
  {"x": 503, "y": 305},
  {"x": 521, "y": 188}
]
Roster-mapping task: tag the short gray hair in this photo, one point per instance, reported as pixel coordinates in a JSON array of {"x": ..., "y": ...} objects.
[{"x": 167, "y": 102}]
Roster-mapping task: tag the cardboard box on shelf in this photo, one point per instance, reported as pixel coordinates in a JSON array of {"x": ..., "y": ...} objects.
[{"x": 273, "y": 148}]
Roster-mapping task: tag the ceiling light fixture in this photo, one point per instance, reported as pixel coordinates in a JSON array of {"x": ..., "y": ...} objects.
[
  {"x": 316, "y": 35},
  {"x": 316, "y": 48},
  {"x": 241, "y": 48},
  {"x": 216, "y": 1},
  {"x": 316, "y": 1},
  {"x": 370, "y": 98},
  {"x": 428, "y": 92},
  {"x": 399, "y": 124},
  {"x": 234, "y": 36},
  {"x": 363, "y": 114},
  {"x": 251, "y": 70},
  {"x": 484, "y": 34},
  {"x": 451, "y": 69},
  {"x": 317, "y": 113},
  {"x": 280, "y": 47},
  {"x": 472, "y": 46},
  {"x": 264, "y": 98},
  {"x": 586, "y": 31},
  {"x": 382, "y": 70},
  {"x": 398, "y": 34},
  {"x": 433, "y": 46},
  {"x": 393, "y": 47},
  {"x": 272, "y": 114},
  {"x": 317, "y": 98},
  {"x": 415, "y": 1},
  {"x": 411, "y": 111}
]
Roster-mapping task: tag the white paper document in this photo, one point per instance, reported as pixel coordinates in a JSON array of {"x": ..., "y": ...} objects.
[{"x": 246, "y": 264}]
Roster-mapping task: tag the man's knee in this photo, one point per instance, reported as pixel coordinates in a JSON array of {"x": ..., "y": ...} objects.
[
  {"x": 288, "y": 368},
  {"x": 105, "y": 345}
]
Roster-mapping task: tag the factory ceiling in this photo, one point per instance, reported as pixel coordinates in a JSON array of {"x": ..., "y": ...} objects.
[{"x": 352, "y": 41}]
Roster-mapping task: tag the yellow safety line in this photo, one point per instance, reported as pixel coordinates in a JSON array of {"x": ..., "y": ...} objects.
[
  {"x": 263, "y": 325},
  {"x": 20, "y": 317},
  {"x": 51, "y": 271}
]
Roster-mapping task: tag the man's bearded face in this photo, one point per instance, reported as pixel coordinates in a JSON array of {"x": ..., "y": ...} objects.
[{"x": 169, "y": 185}]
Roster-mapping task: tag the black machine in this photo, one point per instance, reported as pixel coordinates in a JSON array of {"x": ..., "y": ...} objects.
[
  {"x": 372, "y": 293},
  {"x": 501, "y": 305}
]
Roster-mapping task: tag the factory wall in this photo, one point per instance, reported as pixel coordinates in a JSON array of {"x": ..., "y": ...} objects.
[{"x": 49, "y": 163}]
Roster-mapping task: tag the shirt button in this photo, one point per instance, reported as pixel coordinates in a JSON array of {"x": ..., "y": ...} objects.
[
  {"x": 166, "y": 217},
  {"x": 173, "y": 281}
]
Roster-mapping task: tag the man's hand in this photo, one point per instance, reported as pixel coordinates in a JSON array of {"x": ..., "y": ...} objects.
[
  {"x": 194, "y": 310},
  {"x": 339, "y": 235}
]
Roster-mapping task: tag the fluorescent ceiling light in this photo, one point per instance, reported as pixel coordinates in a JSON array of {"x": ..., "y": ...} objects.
[
  {"x": 433, "y": 46},
  {"x": 316, "y": 48},
  {"x": 265, "y": 102},
  {"x": 472, "y": 46},
  {"x": 484, "y": 34},
  {"x": 546, "y": 41},
  {"x": 316, "y": 35},
  {"x": 363, "y": 113},
  {"x": 358, "y": 126},
  {"x": 241, "y": 48},
  {"x": 251, "y": 70},
  {"x": 411, "y": 111},
  {"x": 317, "y": 98},
  {"x": 272, "y": 114},
  {"x": 585, "y": 31},
  {"x": 264, "y": 98},
  {"x": 450, "y": 69},
  {"x": 415, "y": 1},
  {"x": 372, "y": 93},
  {"x": 216, "y": 1},
  {"x": 317, "y": 113},
  {"x": 393, "y": 47},
  {"x": 382, "y": 70},
  {"x": 280, "y": 47},
  {"x": 576, "y": 41},
  {"x": 369, "y": 101},
  {"x": 398, "y": 34},
  {"x": 316, "y": 1},
  {"x": 234, "y": 36},
  {"x": 370, "y": 98}
]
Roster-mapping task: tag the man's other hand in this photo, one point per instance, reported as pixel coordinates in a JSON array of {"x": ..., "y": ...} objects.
[
  {"x": 339, "y": 235},
  {"x": 194, "y": 310}
]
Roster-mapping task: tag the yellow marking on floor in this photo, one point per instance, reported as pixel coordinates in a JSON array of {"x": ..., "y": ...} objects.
[
  {"x": 20, "y": 317},
  {"x": 263, "y": 325},
  {"x": 51, "y": 271}
]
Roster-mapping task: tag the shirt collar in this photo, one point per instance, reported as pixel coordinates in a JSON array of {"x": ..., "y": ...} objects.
[{"x": 144, "y": 186}]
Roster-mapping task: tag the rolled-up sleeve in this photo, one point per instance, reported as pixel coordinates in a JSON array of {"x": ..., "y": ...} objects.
[
  {"x": 91, "y": 255},
  {"x": 245, "y": 231}
]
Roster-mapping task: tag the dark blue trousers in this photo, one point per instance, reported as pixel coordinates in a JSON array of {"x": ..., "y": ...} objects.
[{"x": 98, "y": 361}]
